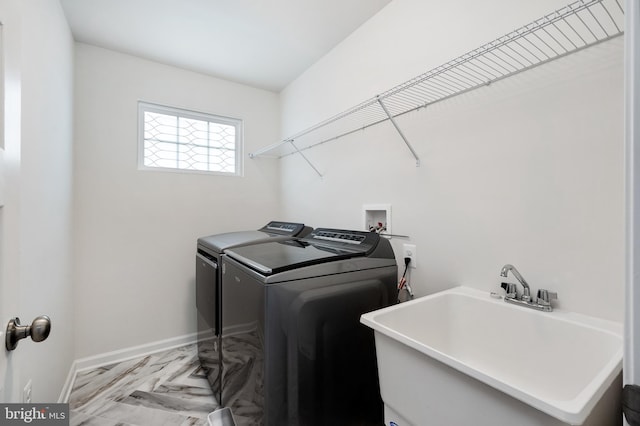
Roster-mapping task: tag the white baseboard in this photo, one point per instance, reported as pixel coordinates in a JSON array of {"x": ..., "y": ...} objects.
[{"x": 121, "y": 355}]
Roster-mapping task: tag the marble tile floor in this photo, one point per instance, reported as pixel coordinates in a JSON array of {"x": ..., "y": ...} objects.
[{"x": 167, "y": 388}]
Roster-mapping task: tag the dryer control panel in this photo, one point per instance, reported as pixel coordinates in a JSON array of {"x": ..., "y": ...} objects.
[{"x": 283, "y": 228}]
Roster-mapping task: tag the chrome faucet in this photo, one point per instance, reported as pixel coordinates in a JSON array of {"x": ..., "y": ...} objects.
[
  {"x": 542, "y": 302},
  {"x": 526, "y": 292}
]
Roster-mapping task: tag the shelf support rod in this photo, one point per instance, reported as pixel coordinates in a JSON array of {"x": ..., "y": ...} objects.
[
  {"x": 393, "y": 121},
  {"x": 305, "y": 158}
]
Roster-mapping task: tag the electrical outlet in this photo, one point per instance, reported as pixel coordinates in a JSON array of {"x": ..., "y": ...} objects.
[
  {"x": 26, "y": 393},
  {"x": 409, "y": 250}
]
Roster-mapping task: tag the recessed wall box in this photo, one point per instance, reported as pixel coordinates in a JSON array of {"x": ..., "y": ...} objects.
[{"x": 377, "y": 217}]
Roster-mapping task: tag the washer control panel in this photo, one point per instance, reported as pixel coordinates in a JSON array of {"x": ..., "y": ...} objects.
[
  {"x": 358, "y": 240},
  {"x": 350, "y": 237}
]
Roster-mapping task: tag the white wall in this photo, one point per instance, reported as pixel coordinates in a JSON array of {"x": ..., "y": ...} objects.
[
  {"x": 526, "y": 171},
  {"x": 38, "y": 214},
  {"x": 136, "y": 230}
]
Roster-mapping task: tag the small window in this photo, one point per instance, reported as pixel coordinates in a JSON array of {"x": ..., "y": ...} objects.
[{"x": 177, "y": 139}]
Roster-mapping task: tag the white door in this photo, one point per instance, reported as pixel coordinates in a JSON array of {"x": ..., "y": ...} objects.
[
  {"x": 9, "y": 166},
  {"x": 631, "y": 367},
  {"x": 3, "y": 292},
  {"x": 3, "y": 355}
]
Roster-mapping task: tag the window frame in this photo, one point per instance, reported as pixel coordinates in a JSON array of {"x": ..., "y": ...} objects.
[{"x": 195, "y": 115}]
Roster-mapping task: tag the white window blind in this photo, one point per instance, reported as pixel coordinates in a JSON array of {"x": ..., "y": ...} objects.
[{"x": 176, "y": 139}]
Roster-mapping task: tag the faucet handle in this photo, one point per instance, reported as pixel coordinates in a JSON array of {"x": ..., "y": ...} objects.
[
  {"x": 510, "y": 288},
  {"x": 545, "y": 296}
]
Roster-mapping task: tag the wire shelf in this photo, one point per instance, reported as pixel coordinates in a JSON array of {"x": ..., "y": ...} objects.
[{"x": 577, "y": 26}]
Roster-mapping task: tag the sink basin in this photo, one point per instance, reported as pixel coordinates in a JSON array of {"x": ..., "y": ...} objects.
[{"x": 462, "y": 348}]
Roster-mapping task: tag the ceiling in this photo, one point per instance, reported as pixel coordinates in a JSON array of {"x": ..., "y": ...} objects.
[{"x": 265, "y": 44}]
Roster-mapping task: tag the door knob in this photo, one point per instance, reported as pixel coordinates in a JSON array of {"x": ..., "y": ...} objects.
[{"x": 38, "y": 330}]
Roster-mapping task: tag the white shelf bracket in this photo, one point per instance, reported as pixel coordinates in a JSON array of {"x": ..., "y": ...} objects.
[
  {"x": 305, "y": 158},
  {"x": 393, "y": 121}
]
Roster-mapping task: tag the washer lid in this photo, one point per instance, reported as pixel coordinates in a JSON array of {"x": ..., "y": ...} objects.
[
  {"x": 321, "y": 246},
  {"x": 274, "y": 257}
]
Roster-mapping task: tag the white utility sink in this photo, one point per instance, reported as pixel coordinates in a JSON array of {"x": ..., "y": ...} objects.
[{"x": 462, "y": 357}]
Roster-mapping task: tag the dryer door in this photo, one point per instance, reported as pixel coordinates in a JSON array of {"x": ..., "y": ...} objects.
[
  {"x": 207, "y": 298},
  {"x": 207, "y": 289}
]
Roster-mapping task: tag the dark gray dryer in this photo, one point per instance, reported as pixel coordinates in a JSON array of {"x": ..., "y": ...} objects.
[
  {"x": 293, "y": 349},
  {"x": 210, "y": 250}
]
